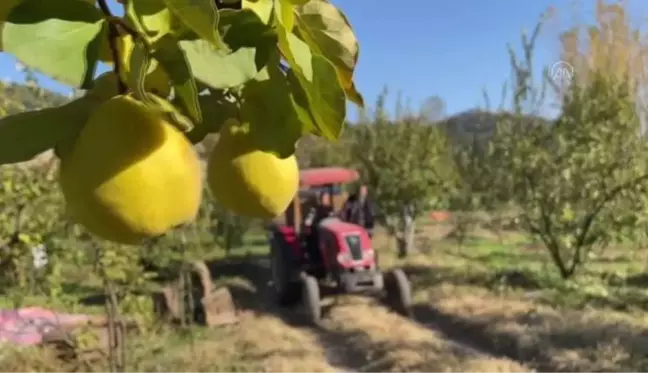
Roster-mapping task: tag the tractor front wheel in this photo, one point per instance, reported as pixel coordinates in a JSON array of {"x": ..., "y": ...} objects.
[
  {"x": 311, "y": 306},
  {"x": 398, "y": 292},
  {"x": 281, "y": 266}
]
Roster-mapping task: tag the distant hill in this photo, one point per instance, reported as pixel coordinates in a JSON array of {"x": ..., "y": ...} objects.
[
  {"x": 16, "y": 98},
  {"x": 463, "y": 127}
]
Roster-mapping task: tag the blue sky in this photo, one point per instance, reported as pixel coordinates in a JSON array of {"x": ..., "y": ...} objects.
[{"x": 453, "y": 49}]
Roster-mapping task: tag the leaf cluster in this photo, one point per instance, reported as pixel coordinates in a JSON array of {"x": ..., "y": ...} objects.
[
  {"x": 579, "y": 181},
  {"x": 284, "y": 67},
  {"x": 403, "y": 162}
]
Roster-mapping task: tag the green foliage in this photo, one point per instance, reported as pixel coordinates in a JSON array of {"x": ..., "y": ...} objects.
[
  {"x": 251, "y": 41},
  {"x": 325, "y": 28},
  {"x": 287, "y": 66},
  {"x": 60, "y": 39},
  {"x": 580, "y": 182},
  {"x": 480, "y": 182},
  {"x": 230, "y": 229},
  {"x": 315, "y": 152},
  {"x": 32, "y": 217},
  {"x": 474, "y": 164},
  {"x": 403, "y": 163},
  {"x": 31, "y": 130},
  {"x": 78, "y": 266},
  {"x": 16, "y": 98}
]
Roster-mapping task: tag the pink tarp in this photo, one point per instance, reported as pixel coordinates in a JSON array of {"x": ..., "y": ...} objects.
[{"x": 27, "y": 326}]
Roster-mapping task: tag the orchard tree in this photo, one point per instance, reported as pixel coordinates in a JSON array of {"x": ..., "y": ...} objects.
[
  {"x": 401, "y": 162},
  {"x": 31, "y": 217},
  {"x": 314, "y": 151},
  {"x": 476, "y": 171},
  {"x": 582, "y": 181},
  {"x": 265, "y": 72}
]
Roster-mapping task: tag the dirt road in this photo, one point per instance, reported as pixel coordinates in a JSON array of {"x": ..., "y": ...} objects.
[{"x": 357, "y": 334}]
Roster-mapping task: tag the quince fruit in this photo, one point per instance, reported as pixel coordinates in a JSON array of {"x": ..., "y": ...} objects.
[
  {"x": 130, "y": 174},
  {"x": 247, "y": 180}
]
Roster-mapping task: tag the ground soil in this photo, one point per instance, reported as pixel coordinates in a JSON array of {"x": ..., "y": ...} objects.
[
  {"x": 360, "y": 333},
  {"x": 462, "y": 321}
]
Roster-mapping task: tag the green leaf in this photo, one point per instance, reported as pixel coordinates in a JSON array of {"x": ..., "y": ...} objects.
[
  {"x": 174, "y": 62},
  {"x": 300, "y": 104},
  {"x": 24, "y": 238},
  {"x": 201, "y": 16},
  {"x": 217, "y": 69},
  {"x": 299, "y": 55},
  {"x": 268, "y": 108},
  {"x": 285, "y": 14},
  {"x": 151, "y": 17},
  {"x": 5, "y": 8},
  {"x": 298, "y": 2},
  {"x": 251, "y": 42},
  {"x": 60, "y": 41},
  {"x": 323, "y": 96},
  {"x": 568, "y": 215},
  {"x": 329, "y": 33},
  {"x": 25, "y": 135},
  {"x": 263, "y": 8},
  {"x": 215, "y": 111}
]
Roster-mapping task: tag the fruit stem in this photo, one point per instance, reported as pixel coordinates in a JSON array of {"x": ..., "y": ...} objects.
[{"x": 113, "y": 35}]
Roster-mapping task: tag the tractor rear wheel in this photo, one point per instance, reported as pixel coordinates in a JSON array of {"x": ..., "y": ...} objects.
[
  {"x": 311, "y": 306},
  {"x": 287, "y": 292},
  {"x": 398, "y": 292}
]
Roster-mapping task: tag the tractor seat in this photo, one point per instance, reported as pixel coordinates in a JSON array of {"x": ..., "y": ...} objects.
[
  {"x": 290, "y": 237},
  {"x": 288, "y": 233}
]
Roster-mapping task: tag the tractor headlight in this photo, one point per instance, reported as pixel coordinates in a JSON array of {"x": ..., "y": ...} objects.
[{"x": 343, "y": 257}]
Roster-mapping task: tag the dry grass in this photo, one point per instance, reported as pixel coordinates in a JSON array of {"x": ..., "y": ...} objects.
[
  {"x": 391, "y": 343},
  {"x": 258, "y": 343},
  {"x": 561, "y": 340},
  {"x": 584, "y": 324},
  {"x": 470, "y": 317}
]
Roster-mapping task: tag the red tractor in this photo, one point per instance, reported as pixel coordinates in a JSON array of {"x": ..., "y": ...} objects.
[{"x": 340, "y": 259}]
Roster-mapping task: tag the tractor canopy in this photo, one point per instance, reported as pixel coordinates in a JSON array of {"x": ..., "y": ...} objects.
[
  {"x": 314, "y": 177},
  {"x": 317, "y": 180}
]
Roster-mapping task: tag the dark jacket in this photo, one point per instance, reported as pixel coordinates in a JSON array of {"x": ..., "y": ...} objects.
[
  {"x": 359, "y": 212},
  {"x": 316, "y": 214}
]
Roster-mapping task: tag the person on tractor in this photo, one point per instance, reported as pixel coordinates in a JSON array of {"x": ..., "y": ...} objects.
[
  {"x": 321, "y": 208},
  {"x": 360, "y": 209}
]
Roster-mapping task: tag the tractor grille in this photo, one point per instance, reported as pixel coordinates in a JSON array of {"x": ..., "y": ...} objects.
[{"x": 355, "y": 248}]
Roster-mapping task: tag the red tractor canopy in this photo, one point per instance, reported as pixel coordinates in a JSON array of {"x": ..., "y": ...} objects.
[
  {"x": 313, "y": 177},
  {"x": 318, "y": 180}
]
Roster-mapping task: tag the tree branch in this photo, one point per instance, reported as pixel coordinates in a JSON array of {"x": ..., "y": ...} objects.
[
  {"x": 546, "y": 234},
  {"x": 589, "y": 220},
  {"x": 113, "y": 36}
]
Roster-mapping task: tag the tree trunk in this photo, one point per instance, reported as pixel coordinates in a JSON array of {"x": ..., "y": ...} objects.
[
  {"x": 555, "y": 251},
  {"x": 405, "y": 239}
]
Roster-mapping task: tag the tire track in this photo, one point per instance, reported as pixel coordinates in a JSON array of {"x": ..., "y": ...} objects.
[
  {"x": 256, "y": 270},
  {"x": 359, "y": 334},
  {"x": 394, "y": 343}
]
